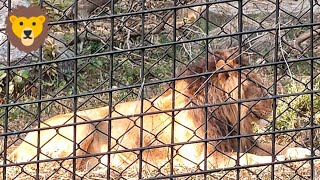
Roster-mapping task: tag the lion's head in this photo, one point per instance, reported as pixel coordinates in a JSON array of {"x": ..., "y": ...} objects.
[
  {"x": 219, "y": 88},
  {"x": 27, "y": 28}
]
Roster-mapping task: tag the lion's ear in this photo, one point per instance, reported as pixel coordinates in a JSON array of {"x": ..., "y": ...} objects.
[
  {"x": 42, "y": 18},
  {"x": 13, "y": 18}
]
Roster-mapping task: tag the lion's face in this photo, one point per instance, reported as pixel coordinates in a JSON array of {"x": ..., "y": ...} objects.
[{"x": 27, "y": 29}]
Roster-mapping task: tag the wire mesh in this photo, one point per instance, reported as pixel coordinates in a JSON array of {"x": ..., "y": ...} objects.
[{"x": 165, "y": 106}]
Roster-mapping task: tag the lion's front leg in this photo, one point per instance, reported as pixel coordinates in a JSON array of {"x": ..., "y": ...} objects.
[{"x": 286, "y": 152}]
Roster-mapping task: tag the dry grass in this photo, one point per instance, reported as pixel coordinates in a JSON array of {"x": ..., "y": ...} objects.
[{"x": 298, "y": 170}]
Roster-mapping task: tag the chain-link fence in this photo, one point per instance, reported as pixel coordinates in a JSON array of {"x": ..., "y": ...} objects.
[{"x": 163, "y": 89}]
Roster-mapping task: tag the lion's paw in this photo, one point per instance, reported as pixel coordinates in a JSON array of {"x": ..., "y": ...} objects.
[{"x": 297, "y": 153}]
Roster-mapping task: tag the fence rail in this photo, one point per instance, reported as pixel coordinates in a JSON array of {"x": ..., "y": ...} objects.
[{"x": 163, "y": 89}]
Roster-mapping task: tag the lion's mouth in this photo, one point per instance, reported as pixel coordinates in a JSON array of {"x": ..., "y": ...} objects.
[{"x": 27, "y": 37}]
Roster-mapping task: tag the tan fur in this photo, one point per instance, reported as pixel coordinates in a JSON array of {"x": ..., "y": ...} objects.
[{"x": 189, "y": 125}]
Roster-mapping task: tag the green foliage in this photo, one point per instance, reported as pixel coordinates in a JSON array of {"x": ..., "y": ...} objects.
[
  {"x": 16, "y": 79},
  {"x": 295, "y": 111}
]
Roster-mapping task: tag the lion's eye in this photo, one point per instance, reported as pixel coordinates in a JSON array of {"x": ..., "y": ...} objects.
[
  {"x": 34, "y": 23},
  {"x": 21, "y": 23}
]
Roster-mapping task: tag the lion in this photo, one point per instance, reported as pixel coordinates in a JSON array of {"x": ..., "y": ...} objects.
[
  {"x": 173, "y": 125},
  {"x": 27, "y": 27}
]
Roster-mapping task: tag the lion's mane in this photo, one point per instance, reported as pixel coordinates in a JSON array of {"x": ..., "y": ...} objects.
[{"x": 223, "y": 119}]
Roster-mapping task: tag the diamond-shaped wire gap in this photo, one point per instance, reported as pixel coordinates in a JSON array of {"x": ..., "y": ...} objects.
[
  {"x": 130, "y": 27},
  {"x": 51, "y": 103},
  {"x": 222, "y": 26},
  {"x": 98, "y": 84},
  {"x": 153, "y": 66},
  {"x": 29, "y": 89},
  {"x": 15, "y": 125},
  {"x": 220, "y": 153},
  {"x": 64, "y": 87},
  {"x": 293, "y": 80},
  {"x": 3, "y": 4},
  {"x": 294, "y": 17},
  {"x": 92, "y": 100},
  {"x": 292, "y": 141},
  {"x": 295, "y": 98},
  {"x": 78, "y": 144},
  {"x": 132, "y": 163},
  {"x": 85, "y": 33},
  {"x": 99, "y": 87},
  {"x": 24, "y": 141},
  {"x": 250, "y": 111},
  {"x": 220, "y": 176},
  {"x": 23, "y": 172},
  {"x": 29, "y": 84},
  {"x": 121, "y": 137},
  {"x": 289, "y": 170},
  {"x": 114, "y": 173},
  {"x": 61, "y": 167},
  {"x": 114, "y": 139},
  {"x": 263, "y": 15},
  {"x": 183, "y": 158},
  {"x": 161, "y": 25},
  {"x": 97, "y": 165},
  {"x": 265, "y": 171},
  {"x": 307, "y": 47},
  {"x": 52, "y": 7},
  {"x": 194, "y": 135},
  {"x": 129, "y": 167},
  {"x": 292, "y": 46},
  {"x": 155, "y": 62},
  {"x": 301, "y": 114},
  {"x": 154, "y": 139},
  {"x": 65, "y": 15},
  {"x": 231, "y": 132},
  {"x": 184, "y": 30},
  {"x": 302, "y": 54},
  {"x": 246, "y": 115},
  {"x": 64, "y": 42},
  {"x": 187, "y": 68},
  {"x": 153, "y": 164},
  {"x": 185, "y": 25},
  {"x": 57, "y": 134},
  {"x": 25, "y": 112},
  {"x": 104, "y": 40}
]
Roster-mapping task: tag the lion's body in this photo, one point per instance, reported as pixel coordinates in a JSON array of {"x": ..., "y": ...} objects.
[{"x": 189, "y": 125}]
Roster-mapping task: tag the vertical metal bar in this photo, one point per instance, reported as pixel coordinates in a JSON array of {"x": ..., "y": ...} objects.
[
  {"x": 275, "y": 80},
  {"x": 75, "y": 89},
  {"x": 312, "y": 94},
  {"x": 39, "y": 107},
  {"x": 6, "y": 115},
  {"x": 174, "y": 38},
  {"x": 240, "y": 29},
  {"x": 142, "y": 88},
  {"x": 206, "y": 93},
  {"x": 110, "y": 86}
]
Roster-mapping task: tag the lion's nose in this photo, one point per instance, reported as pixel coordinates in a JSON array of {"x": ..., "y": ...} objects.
[{"x": 27, "y": 32}]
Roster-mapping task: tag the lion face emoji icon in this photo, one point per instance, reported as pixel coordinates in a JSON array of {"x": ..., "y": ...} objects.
[{"x": 27, "y": 28}]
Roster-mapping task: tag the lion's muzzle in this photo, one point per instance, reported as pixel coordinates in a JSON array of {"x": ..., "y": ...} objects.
[{"x": 27, "y": 37}]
